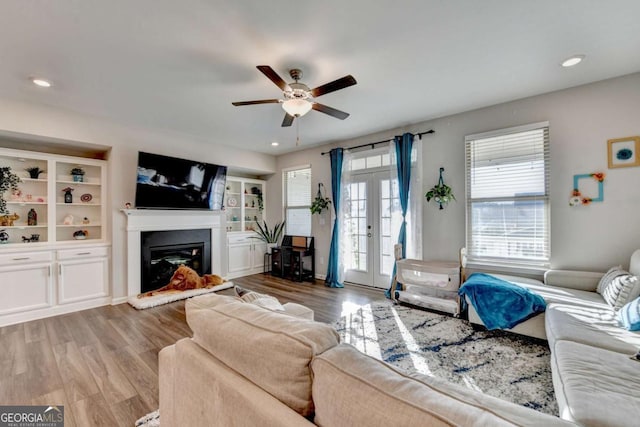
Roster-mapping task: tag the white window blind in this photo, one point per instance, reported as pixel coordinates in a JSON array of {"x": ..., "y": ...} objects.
[
  {"x": 297, "y": 184},
  {"x": 507, "y": 175}
]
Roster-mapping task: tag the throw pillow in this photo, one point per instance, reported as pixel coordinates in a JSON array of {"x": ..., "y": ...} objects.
[
  {"x": 629, "y": 315},
  {"x": 608, "y": 277},
  {"x": 261, "y": 300},
  {"x": 618, "y": 291}
]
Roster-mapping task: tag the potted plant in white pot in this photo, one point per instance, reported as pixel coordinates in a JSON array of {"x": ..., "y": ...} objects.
[{"x": 270, "y": 236}]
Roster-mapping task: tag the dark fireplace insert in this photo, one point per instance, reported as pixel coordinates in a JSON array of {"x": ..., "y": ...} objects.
[{"x": 164, "y": 251}]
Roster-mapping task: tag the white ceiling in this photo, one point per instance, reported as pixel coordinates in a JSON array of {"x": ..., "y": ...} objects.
[{"x": 178, "y": 65}]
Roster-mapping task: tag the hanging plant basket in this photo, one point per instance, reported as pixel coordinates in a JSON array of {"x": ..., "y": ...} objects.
[
  {"x": 440, "y": 193},
  {"x": 320, "y": 203}
]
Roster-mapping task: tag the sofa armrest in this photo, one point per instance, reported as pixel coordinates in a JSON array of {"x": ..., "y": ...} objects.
[
  {"x": 166, "y": 376},
  {"x": 580, "y": 280}
]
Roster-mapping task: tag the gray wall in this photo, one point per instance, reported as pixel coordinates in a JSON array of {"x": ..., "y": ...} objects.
[{"x": 581, "y": 120}]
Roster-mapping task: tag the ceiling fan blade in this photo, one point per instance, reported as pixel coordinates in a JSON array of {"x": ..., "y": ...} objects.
[
  {"x": 345, "y": 81},
  {"x": 288, "y": 120},
  {"x": 273, "y": 76},
  {"x": 330, "y": 111},
  {"x": 260, "y": 101}
]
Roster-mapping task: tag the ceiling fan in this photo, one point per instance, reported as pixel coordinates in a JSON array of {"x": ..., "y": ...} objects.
[{"x": 298, "y": 98}]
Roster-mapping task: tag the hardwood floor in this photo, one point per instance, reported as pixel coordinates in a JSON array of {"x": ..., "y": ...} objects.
[{"x": 102, "y": 364}]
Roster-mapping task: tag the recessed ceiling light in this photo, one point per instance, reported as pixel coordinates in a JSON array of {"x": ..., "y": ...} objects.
[
  {"x": 41, "y": 82},
  {"x": 574, "y": 60},
  {"x": 274, "y": 144}
]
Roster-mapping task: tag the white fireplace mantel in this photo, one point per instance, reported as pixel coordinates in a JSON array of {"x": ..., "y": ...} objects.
[{"x": 139, "y": 220}]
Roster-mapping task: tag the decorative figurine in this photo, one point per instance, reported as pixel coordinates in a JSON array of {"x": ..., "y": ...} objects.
[
  {"x": 68, "y": 197},
  {"x": 127, "y": 205},
  {"x": 85, "y": 220},
  {"x": 68, "y": 220},
  {"x": 4, "y": 237},
  {"x": 80, "y": 234},
  {"x": 32, "y": 217}
]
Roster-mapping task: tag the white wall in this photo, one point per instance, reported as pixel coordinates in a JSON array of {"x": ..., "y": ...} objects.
[
  {"x": 581, "y": 121},
  {"x": 125, "y": 142}
]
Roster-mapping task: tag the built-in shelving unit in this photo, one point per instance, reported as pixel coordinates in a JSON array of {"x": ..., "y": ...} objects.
[{"x": 54, "y": 257}]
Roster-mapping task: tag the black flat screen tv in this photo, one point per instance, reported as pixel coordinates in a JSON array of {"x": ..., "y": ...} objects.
[{"x": 165, "y": 182}]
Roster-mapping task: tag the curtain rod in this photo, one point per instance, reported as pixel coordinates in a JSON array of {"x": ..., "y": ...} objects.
[{"x": 372, "y": 144}]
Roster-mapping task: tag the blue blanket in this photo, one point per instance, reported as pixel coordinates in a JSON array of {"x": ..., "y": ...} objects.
[{"x": 500, "y": 304}]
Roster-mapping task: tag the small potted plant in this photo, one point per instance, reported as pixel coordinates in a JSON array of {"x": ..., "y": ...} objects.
[
  {"x": 270, "y": 236},
  {"x": 78, "y": 174},
  {"x": 34, "y": 172},
  {"x": 320, "y": 203},
  {"x": 8, "y": 181},
  {"x": 441, "y": 193}
]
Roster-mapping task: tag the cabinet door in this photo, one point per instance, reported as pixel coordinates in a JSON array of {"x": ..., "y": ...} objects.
[
  {"x": 25, "y": 287},
  {"x": 259, "y": 249},
  {"x": 240, "y": 257},
  {"x": 83, "y": 279}
]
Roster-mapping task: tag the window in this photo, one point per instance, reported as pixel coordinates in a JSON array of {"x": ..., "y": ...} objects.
[
  {"x": 297, "y": 203},
  {"x": 507, "y": 175}
]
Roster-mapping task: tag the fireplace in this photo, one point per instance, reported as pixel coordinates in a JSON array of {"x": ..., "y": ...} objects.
[
  {"x": 162, "y": 252},
  {"x": 209, "y": 226}
]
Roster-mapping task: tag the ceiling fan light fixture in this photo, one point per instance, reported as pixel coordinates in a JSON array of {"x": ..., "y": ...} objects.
[{"x": 296, "y": 107}]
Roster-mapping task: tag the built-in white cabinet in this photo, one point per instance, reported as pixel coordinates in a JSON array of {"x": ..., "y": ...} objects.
[
  {"x": 26, "y": 282},
  {"x": 244, "y": 202},
  {"x": 54, "y": 252},
  {"x": 83, "y": 274},
  {"x": 246, "y": 254}
]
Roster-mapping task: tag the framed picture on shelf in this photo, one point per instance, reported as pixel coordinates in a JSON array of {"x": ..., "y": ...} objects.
[{"x": 623, "y": 152}]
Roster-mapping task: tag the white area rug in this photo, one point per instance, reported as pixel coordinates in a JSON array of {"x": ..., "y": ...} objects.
[
  {"x": 153, "y": 301},
  {"x": 508, "y": 366}
]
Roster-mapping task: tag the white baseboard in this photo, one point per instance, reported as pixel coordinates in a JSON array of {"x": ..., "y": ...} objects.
[
  {"x": 118, "y": 300},
  {"x": 321, "y": 276}
]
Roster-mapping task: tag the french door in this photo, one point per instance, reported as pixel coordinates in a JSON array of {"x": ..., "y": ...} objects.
[{"x": 369, "y": 258}]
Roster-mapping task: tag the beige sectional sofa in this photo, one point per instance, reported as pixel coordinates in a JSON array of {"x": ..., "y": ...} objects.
[
  {"x": 596, "y": 380},
  {"x": 249, "y": 366}
]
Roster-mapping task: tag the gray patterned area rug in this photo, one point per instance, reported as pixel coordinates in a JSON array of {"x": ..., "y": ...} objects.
[{"x": 501, "y": 364}]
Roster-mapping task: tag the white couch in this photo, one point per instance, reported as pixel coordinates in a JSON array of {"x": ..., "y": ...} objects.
[
  {"x": 596, "y": 381},
  {"x": 248, "y": 366}
]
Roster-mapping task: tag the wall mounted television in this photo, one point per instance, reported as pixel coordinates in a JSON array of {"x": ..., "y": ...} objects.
[{"x": 165, "y": 182}]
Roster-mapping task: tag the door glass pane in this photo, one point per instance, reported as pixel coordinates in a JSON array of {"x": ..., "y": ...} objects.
[
  {"x": 386, "y": 245},
  {"x": 357, "y": 224}
]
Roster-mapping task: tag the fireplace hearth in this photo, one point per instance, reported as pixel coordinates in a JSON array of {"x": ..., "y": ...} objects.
[{"x": 162, "y": 252}]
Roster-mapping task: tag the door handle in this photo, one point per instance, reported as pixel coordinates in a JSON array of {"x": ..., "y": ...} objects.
[{"x": 368, "y": 234}]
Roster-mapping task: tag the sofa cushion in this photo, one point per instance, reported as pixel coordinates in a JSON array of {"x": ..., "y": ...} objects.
[
  {"x": 596, "y": 325},
  {"x": 620, "y": 289},
  {"x": 606, "y": 278},
  {"x": 352, "y": 389},
  {"x": 271, "y": 349},
  {"x": 595, "y": 386},
  {"x": 629, "y": 315}
]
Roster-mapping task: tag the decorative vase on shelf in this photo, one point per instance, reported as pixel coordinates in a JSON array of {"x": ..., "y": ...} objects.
[
  {"x": 34, "y": 172},
  {"x": 32, "y": 217},
  {"x": 77, "y": 174},
  {"x": 68, "y": 197}
]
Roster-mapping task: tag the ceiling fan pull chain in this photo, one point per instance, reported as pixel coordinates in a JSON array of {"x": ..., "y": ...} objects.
[{"x": 297, "y": 133}]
